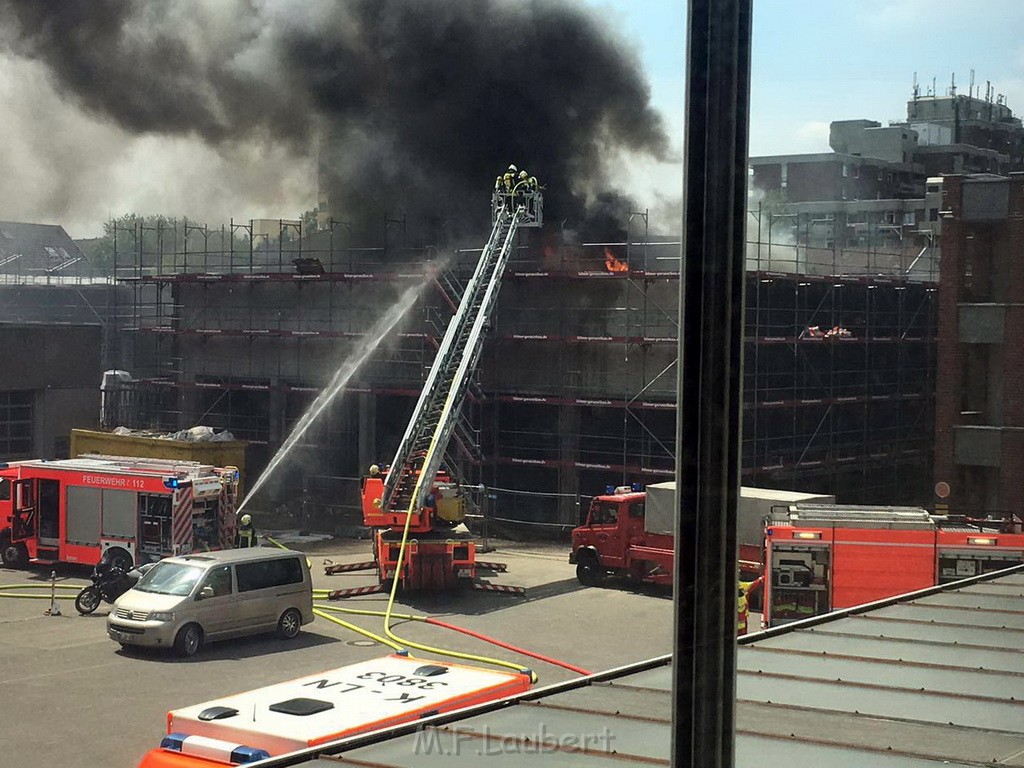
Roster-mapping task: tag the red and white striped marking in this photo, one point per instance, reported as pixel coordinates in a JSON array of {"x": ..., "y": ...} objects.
[
  {"x": 482, "y": 565},
  {"x": 181, "y": 520},
  {"x": 341, "y": 594},
  {"x": 367, "y": 565},
  {"x": 503, "y": 588}
]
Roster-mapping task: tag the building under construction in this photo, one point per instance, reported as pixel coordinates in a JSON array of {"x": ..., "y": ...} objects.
[{"x": 240, "y": 327}]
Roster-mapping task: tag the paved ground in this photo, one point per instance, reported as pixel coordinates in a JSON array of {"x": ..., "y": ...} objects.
[{"x": 71, "y": 697}]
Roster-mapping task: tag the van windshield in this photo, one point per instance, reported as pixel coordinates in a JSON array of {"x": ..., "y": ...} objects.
[{"x": 170, "y": 579}]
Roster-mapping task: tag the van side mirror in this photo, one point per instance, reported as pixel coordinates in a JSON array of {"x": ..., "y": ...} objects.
[{"x": 204, "y": 593}]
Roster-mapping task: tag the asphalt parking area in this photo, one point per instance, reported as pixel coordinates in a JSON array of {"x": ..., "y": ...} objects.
[{"x": 75, "y": 698}]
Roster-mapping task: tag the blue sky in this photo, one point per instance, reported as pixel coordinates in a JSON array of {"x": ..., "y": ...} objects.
[{"x": 820, "y": 60}]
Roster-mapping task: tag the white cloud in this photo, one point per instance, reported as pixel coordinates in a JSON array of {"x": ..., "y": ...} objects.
[{"x": 813, "y": 135}]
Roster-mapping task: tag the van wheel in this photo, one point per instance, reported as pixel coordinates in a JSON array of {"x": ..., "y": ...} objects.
[
  {"x": 289, "y": 624},
  {"x": 188, "y": 640}
]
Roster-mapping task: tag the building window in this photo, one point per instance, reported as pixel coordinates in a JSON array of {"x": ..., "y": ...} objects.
[
  {"x": 15, "y": 424},
  {"x": 785, "y": 175},
  {"x": 846, "y": 170},
  {"x": 909, "y": 218}
]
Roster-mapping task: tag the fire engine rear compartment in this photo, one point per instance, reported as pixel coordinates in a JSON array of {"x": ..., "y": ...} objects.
[
  {"x": 822, "y": 558},
  {"x": 77, "y": 509}
]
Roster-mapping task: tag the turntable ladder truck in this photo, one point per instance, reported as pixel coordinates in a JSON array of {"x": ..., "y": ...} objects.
[{"x": 440, "y": 554}]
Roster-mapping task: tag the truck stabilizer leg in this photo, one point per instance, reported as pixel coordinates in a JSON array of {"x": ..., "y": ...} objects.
[
  {"x": 483, "y": 586},
  {"x": 341, "y": 594},
  {"x": 493, "y": 567},
  {"x": 366, "y": 565}
]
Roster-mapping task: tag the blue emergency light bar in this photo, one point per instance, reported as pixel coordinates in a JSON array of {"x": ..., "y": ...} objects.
[
  {"x": 170, "y": 482},
  {"x": 236, "y": 754}
]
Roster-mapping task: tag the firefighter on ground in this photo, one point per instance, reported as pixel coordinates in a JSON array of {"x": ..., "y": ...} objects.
[
  {"x": 743, "y": 603},
  {"x": 246, "y": 536}
]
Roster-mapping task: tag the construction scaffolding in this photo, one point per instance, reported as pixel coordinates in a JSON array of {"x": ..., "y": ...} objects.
[{"x": 239, "y": 327}]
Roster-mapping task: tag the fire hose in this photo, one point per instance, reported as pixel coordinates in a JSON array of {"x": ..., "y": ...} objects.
[{"x": 400, "y": 644}]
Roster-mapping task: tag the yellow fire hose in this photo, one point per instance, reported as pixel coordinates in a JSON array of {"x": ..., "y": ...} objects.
[
  {"x": 392, "y": 640},
  {"x": 317, "y": 609},
  {"x": 5, "y": 591}
]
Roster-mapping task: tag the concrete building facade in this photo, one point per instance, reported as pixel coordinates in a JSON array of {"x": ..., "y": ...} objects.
[
  {"x": 869, "y": 161},
  {"x": 49, "y": 384},
  {"x": 979, "y": 431}
]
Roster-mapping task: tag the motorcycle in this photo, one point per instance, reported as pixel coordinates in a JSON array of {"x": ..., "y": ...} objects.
[{"x": 109, "y": 582}]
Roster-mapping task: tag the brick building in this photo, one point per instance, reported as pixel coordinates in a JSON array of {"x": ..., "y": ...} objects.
[{"x": 979, "y": 428}]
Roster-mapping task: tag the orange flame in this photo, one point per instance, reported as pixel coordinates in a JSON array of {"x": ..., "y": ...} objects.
[{"x": 612, "y": 264}]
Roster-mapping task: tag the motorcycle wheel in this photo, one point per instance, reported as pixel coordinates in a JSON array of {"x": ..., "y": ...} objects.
[{"x": 88, "y": 600}]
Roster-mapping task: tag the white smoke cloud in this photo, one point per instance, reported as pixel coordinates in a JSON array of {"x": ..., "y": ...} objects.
[{"x": 64, "y": 166}]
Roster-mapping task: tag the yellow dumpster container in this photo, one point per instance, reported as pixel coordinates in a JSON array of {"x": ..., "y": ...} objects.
[{"x": 148, "y": 445}]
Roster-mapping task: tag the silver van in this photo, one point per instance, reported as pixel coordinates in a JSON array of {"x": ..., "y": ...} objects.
[{"x": 184, "y": 601}]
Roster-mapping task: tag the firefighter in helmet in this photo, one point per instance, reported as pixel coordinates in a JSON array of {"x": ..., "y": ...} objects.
[
  {"x": 510, "y": 178},
  {"x": 743, "y": 602},
  {"x": 246, "y": 536}
]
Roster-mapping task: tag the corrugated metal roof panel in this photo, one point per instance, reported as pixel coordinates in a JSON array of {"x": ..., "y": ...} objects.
[{"x": 933, "y": 679}]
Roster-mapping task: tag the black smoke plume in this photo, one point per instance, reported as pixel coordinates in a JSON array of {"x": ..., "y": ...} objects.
[{"x": 415, "y": 105}]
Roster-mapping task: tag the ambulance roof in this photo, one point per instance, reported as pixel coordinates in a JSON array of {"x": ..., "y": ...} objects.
[{"x": 353, "y": 699}]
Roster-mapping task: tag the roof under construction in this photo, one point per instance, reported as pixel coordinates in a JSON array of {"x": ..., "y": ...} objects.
[{"x": 931, "y": 678}]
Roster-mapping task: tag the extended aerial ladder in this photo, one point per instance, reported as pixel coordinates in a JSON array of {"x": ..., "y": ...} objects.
[{"x": 405, "y": 500}]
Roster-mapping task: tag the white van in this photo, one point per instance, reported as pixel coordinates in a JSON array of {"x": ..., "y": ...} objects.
[{"x": 184, "y": 601}]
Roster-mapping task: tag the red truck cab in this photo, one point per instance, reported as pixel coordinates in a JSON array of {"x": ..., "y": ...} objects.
[{"x": 614, "y": 541}]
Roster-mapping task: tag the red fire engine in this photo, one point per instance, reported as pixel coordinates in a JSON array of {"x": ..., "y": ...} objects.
[
  {"x": 75, "y": 510},
  {"x": 815, "y": 557},
  {"x": 441, "y": 552},
  {"x": 411, "y": 502},
  {"x": 628, "y": 532},
  {"x": 824, "y": 557}
]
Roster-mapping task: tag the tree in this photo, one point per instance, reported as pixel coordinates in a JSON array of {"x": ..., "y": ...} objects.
[{"x": 159, "y": 240}]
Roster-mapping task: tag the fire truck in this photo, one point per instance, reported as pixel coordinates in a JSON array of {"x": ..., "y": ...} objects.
[
  {"x": 138, "y": 510},
  {"x": 414, "y": 497},
  {"x": 628, "y": 531},
  {"x": 820, "y": 558},
  {"x": 815, "y": 556}
]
